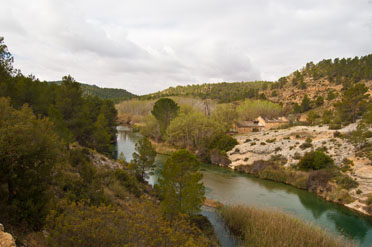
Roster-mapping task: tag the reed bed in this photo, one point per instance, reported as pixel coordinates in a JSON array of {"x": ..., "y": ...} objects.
[{"x": 273, "y": 228}]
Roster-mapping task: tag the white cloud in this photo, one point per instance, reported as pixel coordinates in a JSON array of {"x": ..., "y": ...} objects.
[{"x": 145, "y": 46}]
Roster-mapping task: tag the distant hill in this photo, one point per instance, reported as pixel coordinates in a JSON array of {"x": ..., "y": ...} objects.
[
  {"x": 326, "y": 79},
  {"x": 222, "y": 92},
  {"x": 114, "y": 94}
]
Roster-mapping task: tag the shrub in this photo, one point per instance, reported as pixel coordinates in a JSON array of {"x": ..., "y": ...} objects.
[
  {"x": 263, "y": 143},
  {"x": 277, "y": 149},
  {"x": 223, "y": 142},
  {"x": 306, "y": 145},
  {"x": 346, "y": 182},
  {"x": 315, "y": 160},
  {"x": 337, "y": 134},
  {"x": 359, "y": 192},
  {"x": 140, "y": 224},
  {"x": 247, "y": 140},
  {"x": 335, "y": 126},
  {"x": 253, "y": 143},
  {"x": 297, "y": 156},
  {"x": 271, "y": 140}
]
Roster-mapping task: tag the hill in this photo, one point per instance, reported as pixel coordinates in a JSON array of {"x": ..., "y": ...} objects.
[
  {"x": 114, "y": 94},
  {"x": 326, "y": 79},
  {"x": 222, "y": 92}
]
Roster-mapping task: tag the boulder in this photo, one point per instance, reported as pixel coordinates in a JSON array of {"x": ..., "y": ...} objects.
[{"x": 6, "y": 240}]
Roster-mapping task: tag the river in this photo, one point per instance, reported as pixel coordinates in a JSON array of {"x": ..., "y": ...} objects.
[{"x": 231, "y": 187}]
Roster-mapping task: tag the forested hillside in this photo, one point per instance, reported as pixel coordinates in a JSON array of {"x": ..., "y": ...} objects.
[
  {"x": 223, "y": 92},
  {"x": 114, "y": 94}
]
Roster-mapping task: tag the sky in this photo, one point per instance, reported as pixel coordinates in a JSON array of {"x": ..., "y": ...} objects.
[{"x": 145, "y": 46}]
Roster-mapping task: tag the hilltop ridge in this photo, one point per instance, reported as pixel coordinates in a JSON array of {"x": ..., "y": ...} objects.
[
  {"x": 326, "y": 79},
  {"x": 114, "y": 94}
]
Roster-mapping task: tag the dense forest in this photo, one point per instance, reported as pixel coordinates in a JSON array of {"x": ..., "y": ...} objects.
[{"x": 114, "y": 94}]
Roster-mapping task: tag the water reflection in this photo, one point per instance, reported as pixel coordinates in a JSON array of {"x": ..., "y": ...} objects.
[
  {"x": 350, "y": 225},
  {"x": 316, "y": 206}
]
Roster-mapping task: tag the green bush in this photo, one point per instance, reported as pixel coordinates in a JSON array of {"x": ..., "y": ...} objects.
[
  {"x": 346, "y": 182},
  {"x": 315, "y": 160},
  {"x": 223, "y": 142},
  {"x": 306, "y": 145}
]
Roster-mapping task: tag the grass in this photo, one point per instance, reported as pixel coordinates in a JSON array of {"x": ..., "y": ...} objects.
[{"x": 272, "y": 228}]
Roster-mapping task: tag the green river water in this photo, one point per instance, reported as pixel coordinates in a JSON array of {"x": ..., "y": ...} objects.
[{"x": 231, "y": 187}]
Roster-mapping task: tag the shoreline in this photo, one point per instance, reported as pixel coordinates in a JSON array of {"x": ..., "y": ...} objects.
[{"x": 355, "y": 206}]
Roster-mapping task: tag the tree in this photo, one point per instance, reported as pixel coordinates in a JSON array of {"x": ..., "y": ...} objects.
[
  {"x": 319, "y": 101},
  {"x": 151, "y": 128},
  {"x": 353, "y": 103},
  {"x": 305, "y": 104},
  {"x": 29, "y": 149},
  {"x": 143, "y": 158},
  {"x": 164, "y": 111},
  {"x": 180, "y": 186},
  {"x": 359, "y": 136},
  {"x": 312, "y": 117},
  {"x": 191, "y": 129},
  {"x": 6, "y": 61},
  {"x": 251, "y": 109},
  {"x": 101, "y": 137},
  {"x": 226, "y": 115}
]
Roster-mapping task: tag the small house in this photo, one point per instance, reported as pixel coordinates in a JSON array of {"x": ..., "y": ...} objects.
[
  {"x": 247, "y": 126},
  {"x": 260, "y": 124},
  {"x": 272, "y": 123}
]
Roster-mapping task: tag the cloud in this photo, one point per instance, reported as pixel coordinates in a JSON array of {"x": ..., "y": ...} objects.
[{"x": 145, "y": 46}]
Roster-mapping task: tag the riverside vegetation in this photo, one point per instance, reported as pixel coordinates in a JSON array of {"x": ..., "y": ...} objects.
[{"x": 279, "y": 229}]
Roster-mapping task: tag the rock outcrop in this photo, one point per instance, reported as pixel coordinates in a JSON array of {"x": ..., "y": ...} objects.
[
  {"x": 6, "y": 240},
  {"x": 290, "y": 143}
]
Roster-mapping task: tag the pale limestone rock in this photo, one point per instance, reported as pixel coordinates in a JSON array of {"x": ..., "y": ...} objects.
[{"x": 6, "y": 240}]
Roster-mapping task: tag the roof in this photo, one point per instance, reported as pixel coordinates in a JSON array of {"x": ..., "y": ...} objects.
[
  {"x": 249, "y": 124},
  {"x": 276, "y": 120}
]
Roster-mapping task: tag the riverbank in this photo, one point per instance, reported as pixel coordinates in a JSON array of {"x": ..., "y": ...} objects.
[
  {"x": 301, "y": 180},
  {"x": 280, "y": 170},
  {"x": 348, "y": 184},
  {"x": 230, "y": 187}
]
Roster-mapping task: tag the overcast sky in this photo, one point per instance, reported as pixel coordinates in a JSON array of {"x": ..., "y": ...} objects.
[{"x": 146, "y": 45}]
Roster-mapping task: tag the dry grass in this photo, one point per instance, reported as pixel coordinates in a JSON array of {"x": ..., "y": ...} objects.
[{"x": 271, "y": 228}]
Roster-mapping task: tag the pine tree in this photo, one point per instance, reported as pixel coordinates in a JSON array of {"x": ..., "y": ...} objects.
[
  {"x": 164, "y": 111},
  {"x": 144, "y": 158},
  {"x": 180, "y": 186}
]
